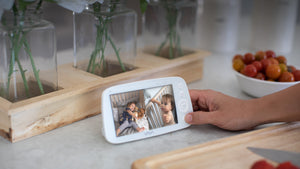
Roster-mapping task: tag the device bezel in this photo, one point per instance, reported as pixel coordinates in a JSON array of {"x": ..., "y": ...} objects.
[{"x": 182, "y": 103}]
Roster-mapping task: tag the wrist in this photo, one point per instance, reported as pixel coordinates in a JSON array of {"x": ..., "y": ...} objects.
[
  {"x": 266, "y": 111},
  {"x": 259, "y": 114}
]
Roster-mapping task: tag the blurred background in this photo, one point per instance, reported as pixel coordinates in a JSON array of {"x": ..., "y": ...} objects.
[{"x": 223, "y": 25}]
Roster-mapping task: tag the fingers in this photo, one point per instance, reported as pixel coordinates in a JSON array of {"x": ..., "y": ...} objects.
[
  {"x": 201, "y": 99},
  {"x": 199, "y": 117}
]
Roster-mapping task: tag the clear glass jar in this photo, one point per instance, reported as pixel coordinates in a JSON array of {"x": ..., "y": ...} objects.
[
  {"x": 169, "y": 27},
  {"x": 219, "y": 25},
  {"x": 278, "y": 33},
  {"x": 28, "y": 62},
  {"x": 105, "y": 38}
]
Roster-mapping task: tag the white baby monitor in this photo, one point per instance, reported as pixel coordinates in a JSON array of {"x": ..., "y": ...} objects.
[{"x": 144, "y": 109}]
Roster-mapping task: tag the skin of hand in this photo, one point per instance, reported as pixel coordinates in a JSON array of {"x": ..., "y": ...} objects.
[
  {"x": 166, "y": 118},
  {"x": 155, "y": 101},
  {"x": 132, "y": 114},
  {"x": 212, "y": 107}
]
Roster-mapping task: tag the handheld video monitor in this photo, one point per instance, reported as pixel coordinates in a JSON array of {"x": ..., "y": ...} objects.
[{"x": 144, "y": 109}]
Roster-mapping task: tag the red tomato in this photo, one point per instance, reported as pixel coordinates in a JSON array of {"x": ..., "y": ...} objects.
[
  {"x": 281, "y": 59},
  {"x": 250, "y": 70},
  {"x": 237, "y": 56},
  {"x": 260, "y": 76},
  {"x": 273, "y": 72},
  {"x": 286, "y": 165},
  {"x": 291, "y": 68},
  {"x": 258, "y": 65},
  {"x": 260, "y": 55},
  {"x": 296, "y": 74},
  {"x": 286, "y": 77},
  {"x": 248, "y": 58},
  {"x": 265, "y": 63},
  {"x": 270, "y": 54},
  {"x": 262, "y": 164},
  {"x": 273, "y": 61}
]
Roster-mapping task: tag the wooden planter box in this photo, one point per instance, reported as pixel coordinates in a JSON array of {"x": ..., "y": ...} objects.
[{"x": 80, "y": 92}]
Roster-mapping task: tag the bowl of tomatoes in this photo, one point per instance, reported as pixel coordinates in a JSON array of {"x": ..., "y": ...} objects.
[{"x": 264, "y": 72}]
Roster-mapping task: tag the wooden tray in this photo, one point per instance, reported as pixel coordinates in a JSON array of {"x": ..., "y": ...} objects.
[
  {"x": 80, "y": 93},
  {"x": 227, "y": 153}
]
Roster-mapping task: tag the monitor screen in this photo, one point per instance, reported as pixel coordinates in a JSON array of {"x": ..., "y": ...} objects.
[{"x": 143, "y": 110}]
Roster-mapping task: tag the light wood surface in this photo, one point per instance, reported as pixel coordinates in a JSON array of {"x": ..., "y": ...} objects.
[
  {"x": 227, "y": 153},
  {"x": 79, "y": 94}
]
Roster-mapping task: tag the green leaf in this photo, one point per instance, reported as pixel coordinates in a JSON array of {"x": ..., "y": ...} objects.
[{"x": 143, "y": 5}]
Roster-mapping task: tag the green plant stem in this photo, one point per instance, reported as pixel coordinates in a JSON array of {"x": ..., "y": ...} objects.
[
  {"x": 98, "y": 48},
  {"x": 171, "y": 44},
  {"x": 117, "y": 53},
  {"x": 23, "y": 77},
  {"x": 101, "y": 41},
  {"x": 178, "y": 46},
  {"x": 18, "y": 40},
  {"x": 105, "y": 30},
  {"x": 172, "y": 36},
  {"x": 15, "y": 58},
  {"x": 10, "y": 72},
  {"x": 157, "y": 53},
  {"x": 35, "y": 71},
  {"x": 21, "y": 68}
]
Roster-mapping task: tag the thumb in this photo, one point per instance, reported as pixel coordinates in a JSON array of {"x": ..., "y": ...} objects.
[{"x": 199, "y": 117}]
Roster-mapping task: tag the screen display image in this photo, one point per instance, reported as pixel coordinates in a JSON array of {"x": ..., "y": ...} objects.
[{"x": 143, "y": 110}]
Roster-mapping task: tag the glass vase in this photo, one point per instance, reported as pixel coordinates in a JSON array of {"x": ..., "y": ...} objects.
[
  {"x": 169, "y": 27},
  {"x": 219, "y": 25},
  {"x": 273, "y": 25},
  {"x": 28, "y": 63},
  {"x": 105, "y": 38}
]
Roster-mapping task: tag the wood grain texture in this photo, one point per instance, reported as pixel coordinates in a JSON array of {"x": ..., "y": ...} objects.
[
  {"x": 79, "y": 94},
  {"x": 227, "y": 153}
]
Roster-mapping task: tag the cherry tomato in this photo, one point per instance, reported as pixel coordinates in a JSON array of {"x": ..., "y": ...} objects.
[
  {"x": 243, "y": 71},
  {"x": 250, "y": 70},
  {"x": 238, "y": 65},
  {"x": 283, "y": 67},
  {"x": 286, "y": 165},
  {"x": 238, "y": 56},
  {"x": 291, "y": 68},
  {"x": 258, "y": 65},
  {"x": 273, "y": 61},
  {"x": 273, "y": 71},
  {"x": 248, "y": 58},
  {"x": 260, "y": 76},
  {"x": 262, "y": 164},
  {"x": 286, "y": 77},
  {"x": 270, "y": 54},
  {"x": 281, "y": 59},
  {"x": 296, "y": 74},
  {"x": 260, "y": 55},
  {"x": 265, "y": 63}
]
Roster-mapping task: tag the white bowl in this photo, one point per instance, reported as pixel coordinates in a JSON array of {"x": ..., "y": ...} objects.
[{"x": 259, "y": 88}]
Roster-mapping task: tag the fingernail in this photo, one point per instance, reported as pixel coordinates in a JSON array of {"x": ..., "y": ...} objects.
[{"x": 188, "y": 118}]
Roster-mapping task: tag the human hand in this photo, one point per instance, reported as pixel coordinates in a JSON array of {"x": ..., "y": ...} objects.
[
  {"x": 166, "y": 118},
  {"x": 211, "y": 107},
  {"x": 155, "y": 101}
]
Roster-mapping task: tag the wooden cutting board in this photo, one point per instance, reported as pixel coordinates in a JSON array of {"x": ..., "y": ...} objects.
[{"x": 227, "y": 153}]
